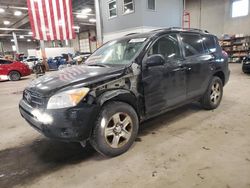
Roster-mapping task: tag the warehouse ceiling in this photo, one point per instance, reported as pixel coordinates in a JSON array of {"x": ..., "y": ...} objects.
[{"x": 14, "y": 17}]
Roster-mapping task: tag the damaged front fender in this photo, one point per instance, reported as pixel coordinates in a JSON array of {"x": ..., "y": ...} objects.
[{"x": 118, "y": 95}]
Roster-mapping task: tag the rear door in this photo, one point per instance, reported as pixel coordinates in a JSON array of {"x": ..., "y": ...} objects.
[
  {"x": 197, "y": 63},
  {"x": 4, "y": 68}
]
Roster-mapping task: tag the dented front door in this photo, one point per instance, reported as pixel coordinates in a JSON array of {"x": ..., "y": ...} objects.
[{"x": 164, "y": 85}]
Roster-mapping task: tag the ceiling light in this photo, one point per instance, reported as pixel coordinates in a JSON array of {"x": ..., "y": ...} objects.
[
  {"x": 12, "y": 40},
  {"x": 81, "y": 16},
  {"x": 92, "y": 20},
  {"x": 21, "y": 37},
  {"x": 86, "y": 10},
  {"x": 30, "y": 33},
  {"x": 28, "y": 40},
  {"x": 17, "y": 13},
  {"x": 2, "y": 10},
  {"x": 6, "y": 22}
]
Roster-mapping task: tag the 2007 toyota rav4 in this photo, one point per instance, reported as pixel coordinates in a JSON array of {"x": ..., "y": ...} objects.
[{"x": 125, "y": 82}]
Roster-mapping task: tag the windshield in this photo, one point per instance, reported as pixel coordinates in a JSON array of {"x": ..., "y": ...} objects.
[{"x": 117, "y": 52}]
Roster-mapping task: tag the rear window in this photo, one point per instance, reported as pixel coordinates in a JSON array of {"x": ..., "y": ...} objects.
[
  {"x": 209, "y": 44},
  {"x": 192, "y": 44},
  {"x": 5, "y": 62}
]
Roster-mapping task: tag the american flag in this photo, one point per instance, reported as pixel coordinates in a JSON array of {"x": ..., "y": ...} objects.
[{"x": 51, "y": 19}]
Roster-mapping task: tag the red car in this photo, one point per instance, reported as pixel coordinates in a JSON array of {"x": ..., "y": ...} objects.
[{"x": 13, "y": 70}]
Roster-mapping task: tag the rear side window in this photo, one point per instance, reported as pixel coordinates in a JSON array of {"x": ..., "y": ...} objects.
[
  {"x": 192, "y": 44},
  {"x": 209, "y": 44}
]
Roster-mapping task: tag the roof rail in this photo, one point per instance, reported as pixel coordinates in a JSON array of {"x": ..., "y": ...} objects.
[
  {"x": 189, "y": 29},
  {"x": 181, "y": 29},
  {"x": 130, "y": 34}
]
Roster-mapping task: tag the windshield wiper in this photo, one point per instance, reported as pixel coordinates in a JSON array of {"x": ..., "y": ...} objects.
[{"x": 98, "y": 65}]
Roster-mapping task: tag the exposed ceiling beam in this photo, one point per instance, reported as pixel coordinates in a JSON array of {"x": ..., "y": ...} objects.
[
  {"x": 84, "y": 23},
  {"x": 13, "y": 7},
  {"x": 19, "y": 24},
  {"x": 13, "y": 29},
  {"x": 10, "y": 35}
]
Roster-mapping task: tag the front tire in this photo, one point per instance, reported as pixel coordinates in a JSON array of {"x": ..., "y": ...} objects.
[
  {"x": 212, "y": 98},
  {"x": 115, "y": 130},
  {"x": 14, "y": 76}
]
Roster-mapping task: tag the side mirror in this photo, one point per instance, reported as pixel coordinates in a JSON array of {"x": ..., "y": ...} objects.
[{"x": 155, "y": 60}]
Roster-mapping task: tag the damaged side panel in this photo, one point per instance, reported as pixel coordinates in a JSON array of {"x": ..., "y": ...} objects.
[{"x": 124, "y": 88}]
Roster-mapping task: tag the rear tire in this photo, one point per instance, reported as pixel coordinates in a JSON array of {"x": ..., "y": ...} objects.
[
  {"x": 14, "y": 76},
  {"x": 115, "y": 130},
  {"x": 212, "y": 98}
]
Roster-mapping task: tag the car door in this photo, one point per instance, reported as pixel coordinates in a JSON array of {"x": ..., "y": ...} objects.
[
  {"x": 4, "y": 68},
  {"x": 164, "y": 85},
  {"x": 197, "y": 63}
]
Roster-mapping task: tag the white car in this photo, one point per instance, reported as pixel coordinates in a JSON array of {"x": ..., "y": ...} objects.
[{"x": 31, "y": 61}]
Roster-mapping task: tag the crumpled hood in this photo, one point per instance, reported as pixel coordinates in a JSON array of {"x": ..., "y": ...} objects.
[{"x": 83, "y": 75}]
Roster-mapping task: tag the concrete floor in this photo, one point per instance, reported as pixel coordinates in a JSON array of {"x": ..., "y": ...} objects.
[{"x": 188, "y": 147}]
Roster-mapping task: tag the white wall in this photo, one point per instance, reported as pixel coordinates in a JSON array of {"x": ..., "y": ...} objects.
[
  {"x": 168, "y": 13},
  {"x": 215, "y": 16},
  {"x": 114, "y": 35},
  {"x": 53, "y": 52}
]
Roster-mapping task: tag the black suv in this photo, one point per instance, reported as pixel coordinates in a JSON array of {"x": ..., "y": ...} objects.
[{"x": 125, "y": 82}]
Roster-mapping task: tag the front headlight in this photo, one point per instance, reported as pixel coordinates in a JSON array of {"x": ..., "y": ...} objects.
[
  {"x": 68, "y": 98},
  {"x": 247, "y": 62}
]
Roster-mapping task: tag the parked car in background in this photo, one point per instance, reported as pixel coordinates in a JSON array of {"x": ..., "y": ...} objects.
[
  {"x": 125, "y": 82},
  {"x": 13, "y": 70},
  {"x": 246, "y": 64},
  {"x": 31, "y": 61}
]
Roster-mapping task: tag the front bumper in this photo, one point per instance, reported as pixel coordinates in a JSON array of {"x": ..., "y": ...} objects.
[{"x": 70, "y": 124}]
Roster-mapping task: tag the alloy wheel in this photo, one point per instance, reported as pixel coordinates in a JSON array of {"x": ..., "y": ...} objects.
[
  {"x": 215, "y": 93},
  {"x": 118, "y": 130}
]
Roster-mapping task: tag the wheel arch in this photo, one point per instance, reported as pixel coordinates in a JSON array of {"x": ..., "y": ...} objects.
[
  {"x": 120, "y": 95},
  {"x": 221, "y": 75},
  {"x": 16, "y": 71}
]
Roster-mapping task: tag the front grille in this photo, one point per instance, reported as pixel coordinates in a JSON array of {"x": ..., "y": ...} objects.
[{"x": 34, "y": 99}]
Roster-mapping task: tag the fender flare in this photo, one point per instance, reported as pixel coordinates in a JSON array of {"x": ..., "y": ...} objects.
[{"x": 122, "y": 95}]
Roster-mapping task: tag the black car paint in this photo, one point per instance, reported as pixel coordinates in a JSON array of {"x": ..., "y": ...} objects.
[
  {"x": 246, "y": 65},
  {"x": 150, "y": 90},
  {"x": 78, "y": 76}
]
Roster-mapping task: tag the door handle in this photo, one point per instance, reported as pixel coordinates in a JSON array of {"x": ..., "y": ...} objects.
[{"x": 182, "y": 68}]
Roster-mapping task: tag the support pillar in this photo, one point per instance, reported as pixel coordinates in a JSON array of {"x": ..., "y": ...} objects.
[
  {"x": 98, "y": 24},
  {"x": 42, "y": 47},
  {"x": 15, "y": 42}
]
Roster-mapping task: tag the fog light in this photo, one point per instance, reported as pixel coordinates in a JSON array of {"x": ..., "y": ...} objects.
[{"x": 42, "y": 117}]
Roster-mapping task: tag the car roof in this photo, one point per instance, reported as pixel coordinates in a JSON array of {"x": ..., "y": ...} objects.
[{"x": 165, "y": 31}]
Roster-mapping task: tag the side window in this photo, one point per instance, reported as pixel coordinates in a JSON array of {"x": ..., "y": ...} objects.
[
  {"x": 209, "y": 44},
  {"x": 5, "y": 62},
  {"x": 192, "y": 44},
  {"x": 128, "y": 6},
  {"x": 167, "y": 46},
  {"x": 112, "y": 8},
  {"x": 151, "y": 4}
]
